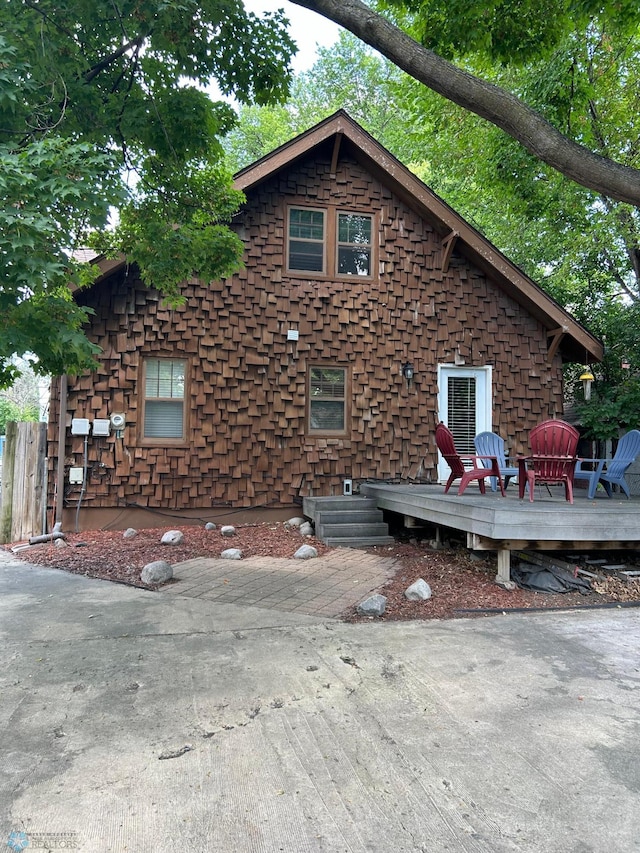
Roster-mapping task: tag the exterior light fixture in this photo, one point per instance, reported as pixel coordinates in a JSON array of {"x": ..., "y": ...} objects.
[
  {"x": 586, "y": 378},
  {"x": 407, "y": 372}
]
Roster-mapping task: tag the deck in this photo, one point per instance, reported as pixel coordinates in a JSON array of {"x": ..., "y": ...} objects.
[{"x": 494, "y": 523}]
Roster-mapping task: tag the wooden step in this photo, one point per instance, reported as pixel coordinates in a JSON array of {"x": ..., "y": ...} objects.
[{"x": 348, "y": 521}]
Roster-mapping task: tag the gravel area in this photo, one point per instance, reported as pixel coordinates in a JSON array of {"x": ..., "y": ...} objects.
[{"x": 462, "y": 584}]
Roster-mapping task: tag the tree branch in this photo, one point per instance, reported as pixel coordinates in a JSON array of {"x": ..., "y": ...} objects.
[
  {"x": 486, "y": 100},
  {"x": 106, "y": 62},
  {"x": 46, "y": 17}
]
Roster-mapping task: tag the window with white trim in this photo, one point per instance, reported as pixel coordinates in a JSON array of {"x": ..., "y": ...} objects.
[
  {"x": 462, "y": 411},
  {"x": 164, "y": 383},
  {"x": 327, "y": 400}
]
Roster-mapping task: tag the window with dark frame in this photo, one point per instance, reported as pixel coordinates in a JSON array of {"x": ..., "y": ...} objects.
[
  {"x": 164, "y": 398},
  {"x": 333, "y": 242},
  {"x": 306, "y": 239},
  {"x": 354, "y": 244},
  {"x": 327, "y": 399}
]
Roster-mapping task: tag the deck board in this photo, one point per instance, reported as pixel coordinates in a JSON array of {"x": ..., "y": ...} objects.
[
  {"x": 547, "y": 517},
  {"x": 493, "y": 522}
]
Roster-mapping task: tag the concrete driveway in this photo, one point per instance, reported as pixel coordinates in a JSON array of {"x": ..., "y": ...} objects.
[{"x": 135, "y": 721}]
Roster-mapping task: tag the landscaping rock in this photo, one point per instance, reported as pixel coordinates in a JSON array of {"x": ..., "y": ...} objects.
[
  {"x": 173, "y": 537},
  {"x": 210, "y": 526},
  {"x": 373, "y": 606},
  {"x": 232, "y": 554},
  {"x": 418, "y": 591},
  {"x": 157, "y": 572},
  {"x": 129, "y": 533},
  {"x": 294, "y": 523},
  {"x": 305, "y": 552},
  {"x": 228, "y": 530},
  {"x": 306, "y": 529}
]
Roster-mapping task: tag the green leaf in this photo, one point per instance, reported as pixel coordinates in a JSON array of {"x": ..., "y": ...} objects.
[{"x": 103, "y": 108}]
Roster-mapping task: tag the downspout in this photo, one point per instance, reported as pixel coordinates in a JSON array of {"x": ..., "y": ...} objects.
[{"x": 62, "y": 429}]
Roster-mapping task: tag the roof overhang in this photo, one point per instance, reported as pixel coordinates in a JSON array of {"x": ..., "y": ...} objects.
[{"x": 105, "y": 267}]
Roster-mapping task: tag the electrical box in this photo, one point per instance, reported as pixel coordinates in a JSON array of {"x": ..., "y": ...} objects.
[
  {"x": 118, "y": 420},
  {"x": 292, "y": 335},
  {"x": 76, "y": 476},
  {"x": 80, "y": 426},
  {"x": 347, "y": 487},
  {"x": 101, "y": 426}
]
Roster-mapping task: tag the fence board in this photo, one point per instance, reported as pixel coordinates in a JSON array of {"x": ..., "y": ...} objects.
[{"x": 24, "y": 472}]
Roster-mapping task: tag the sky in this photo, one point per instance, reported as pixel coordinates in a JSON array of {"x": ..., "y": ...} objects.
[{"x": 308, "y": 29}]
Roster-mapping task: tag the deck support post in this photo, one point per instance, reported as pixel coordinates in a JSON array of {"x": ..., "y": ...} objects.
[{"x": 503, "y": 578}]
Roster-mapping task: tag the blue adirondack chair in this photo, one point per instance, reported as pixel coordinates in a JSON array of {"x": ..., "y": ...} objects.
[
  {"x": 626, "y": 452},
  {"x": 492, "y": 444}
]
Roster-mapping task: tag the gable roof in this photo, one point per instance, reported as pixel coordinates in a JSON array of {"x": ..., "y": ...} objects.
[{"x": 565, "y": 334}]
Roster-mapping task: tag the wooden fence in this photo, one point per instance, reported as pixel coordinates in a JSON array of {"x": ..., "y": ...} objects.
[{"x": 23, "y": 497}]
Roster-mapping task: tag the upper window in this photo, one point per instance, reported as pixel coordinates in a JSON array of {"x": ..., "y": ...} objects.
[
  {"x": 306, "y": 239},
  {"x": 354, "y": 244},
  {"x": 164, "y": 399},
  {"x": 329, "y": 242},
  {"x": 327, "y": 400}
]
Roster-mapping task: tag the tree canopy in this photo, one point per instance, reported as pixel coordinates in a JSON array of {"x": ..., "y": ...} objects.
[
  {"x": 103, "y": 107},
  {"x": 499, "y": 27},
  {"x": 348, "y": 75}
]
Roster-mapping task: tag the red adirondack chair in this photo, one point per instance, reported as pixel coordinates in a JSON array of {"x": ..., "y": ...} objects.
[
  {"x": 446, "y": 446},
  {"x": 554, "y": 445}
]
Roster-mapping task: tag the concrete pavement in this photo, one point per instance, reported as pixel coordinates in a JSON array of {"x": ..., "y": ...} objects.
[{"x": 137, "y": 721}]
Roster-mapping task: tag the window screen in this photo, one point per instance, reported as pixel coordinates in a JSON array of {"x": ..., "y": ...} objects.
[
  {"x": 164, "y": 392},
  {"x": 462, "y": 412},
  {"x": 306, "y": 239},
  {"x": 327, "y": 399}
]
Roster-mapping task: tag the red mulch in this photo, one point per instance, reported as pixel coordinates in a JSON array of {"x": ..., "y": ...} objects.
[
  {"x": 461, "y": 585},
  {"x": 106, "y": 554}
]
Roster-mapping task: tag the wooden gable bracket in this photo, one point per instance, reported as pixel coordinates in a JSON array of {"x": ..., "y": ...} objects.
[
  {"x": 555, "y": 336},
  {"x": 336, "y": 153},
  {"x": 448, "y": 243}
]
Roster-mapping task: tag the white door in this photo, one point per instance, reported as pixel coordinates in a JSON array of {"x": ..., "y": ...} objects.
[{"x": 464, "y": 404}]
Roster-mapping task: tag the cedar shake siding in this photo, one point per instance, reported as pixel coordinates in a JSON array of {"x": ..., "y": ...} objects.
[{"x": 246, "y": 384}]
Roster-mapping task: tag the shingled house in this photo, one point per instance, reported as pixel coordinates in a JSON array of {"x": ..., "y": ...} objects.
[{"x": 366, "y": 311}]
